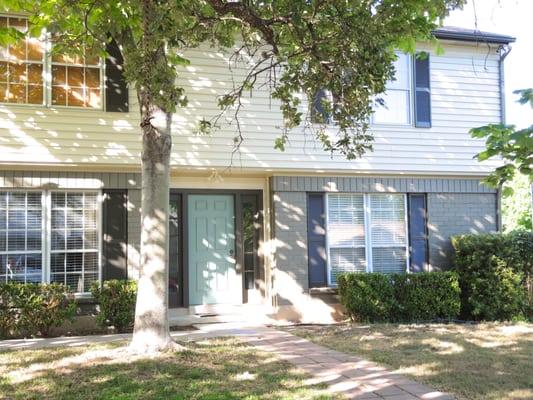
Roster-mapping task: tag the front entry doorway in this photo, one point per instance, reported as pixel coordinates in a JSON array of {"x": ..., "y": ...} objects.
[{"x": 213, "y": 277}]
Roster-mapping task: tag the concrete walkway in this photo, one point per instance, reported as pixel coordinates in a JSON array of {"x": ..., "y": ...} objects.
[{"x": 351, "y": 376}]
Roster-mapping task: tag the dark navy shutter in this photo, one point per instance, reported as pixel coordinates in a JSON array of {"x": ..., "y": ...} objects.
[
  {"x": 318, "y": 112},
  {"x": 316, "y": 240},
  {"x": 418, "y": 238},
  {"x": 422, "y": 91},
  {"x": 116, "y": 88},
  {"x": 115, "y": 234}
]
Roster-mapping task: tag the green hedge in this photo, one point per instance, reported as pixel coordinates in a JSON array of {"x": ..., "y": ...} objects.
[
  {"x": 379, "y": 297},
  {"x": 116, "y": 299},
  {"x": 495, "y": 275},
  {"x": 28, "y": 309}
]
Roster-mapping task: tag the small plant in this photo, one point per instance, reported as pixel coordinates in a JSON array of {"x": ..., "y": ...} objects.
[
  {"x": 495, "y": 275},
  {"x": 367, "y": 297},
  {"x": 377, "y": 297},
  {"x": 116, "y": 299},
  {"x": 28, "y": 309}
]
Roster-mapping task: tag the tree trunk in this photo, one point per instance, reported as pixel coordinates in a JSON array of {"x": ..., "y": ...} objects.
[{"x": 151, "y": 329}]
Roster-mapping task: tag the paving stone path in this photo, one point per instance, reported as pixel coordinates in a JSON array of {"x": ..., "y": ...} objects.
[
  {"x": 345, "y": 374},
  {"x": 349, "y": 375}
]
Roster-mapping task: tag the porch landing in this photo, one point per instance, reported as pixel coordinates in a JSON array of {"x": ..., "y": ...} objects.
[{"x": 213, "y": 314}]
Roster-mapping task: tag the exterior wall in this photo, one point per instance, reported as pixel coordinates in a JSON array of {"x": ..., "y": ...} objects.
[
  {"x": 452, "y": 214},
  {"x": 455, "y": 206},
  {"x": 465, "y": 94}
]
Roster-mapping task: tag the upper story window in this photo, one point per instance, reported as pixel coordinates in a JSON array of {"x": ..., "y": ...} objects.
[
  {"x": 76, "y": 81},
  {"x": 21, "y": 67},
  {"x": 396, "y": 109},
  {"x": 31, "y": 75}
]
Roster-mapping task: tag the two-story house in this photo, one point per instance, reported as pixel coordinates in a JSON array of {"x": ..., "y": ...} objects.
[{"x": 277, "y": 227}]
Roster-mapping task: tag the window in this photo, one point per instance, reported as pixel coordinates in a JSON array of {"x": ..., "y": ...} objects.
[
  {"x": 20, "y": 236},
  {"x": 397, "y": 98},
  {"x": 26, "y": 78},
  {"x": 74, "y": 246},
  {"x": 76, "y": 81},
  {"x": 366, "y": 233},
  {"x": 72, "y": 252},
  {"x": 21, "y": 67}
]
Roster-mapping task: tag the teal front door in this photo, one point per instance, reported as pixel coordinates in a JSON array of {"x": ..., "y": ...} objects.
[{"x": 213, "y": 277}]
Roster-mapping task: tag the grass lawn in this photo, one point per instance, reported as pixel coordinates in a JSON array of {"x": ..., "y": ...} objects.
[
  {"x": 214, "y": 369},
  {"x": 485, "y": 361}
]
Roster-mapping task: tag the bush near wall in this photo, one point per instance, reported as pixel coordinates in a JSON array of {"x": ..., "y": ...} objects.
[
  {"x": 376, "y": 297},
  {"x": 28, "y": 309},
  {"x": 495, "y": 273},
  {"x": 116, "y": 300}
]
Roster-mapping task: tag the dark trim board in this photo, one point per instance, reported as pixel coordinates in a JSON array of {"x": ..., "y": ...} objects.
[{"x": 183, "y": 245}]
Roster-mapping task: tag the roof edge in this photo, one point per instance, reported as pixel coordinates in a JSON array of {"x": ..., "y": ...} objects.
[{"x": 471, "y": 35}]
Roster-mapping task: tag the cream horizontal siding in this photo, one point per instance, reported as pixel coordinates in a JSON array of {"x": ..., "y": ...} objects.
[{"x": 465, "y": 94}]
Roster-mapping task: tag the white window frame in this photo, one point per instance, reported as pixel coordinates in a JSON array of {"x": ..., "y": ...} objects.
[
  {"x": 368, "y": 232},
  {"x": 410, "y": 100},
  {"x": 43, "y": 230},
  {"x": 99, "y": 198},
  {"x": 46, "y": 229},
  {"x": 47, "y": 79}
]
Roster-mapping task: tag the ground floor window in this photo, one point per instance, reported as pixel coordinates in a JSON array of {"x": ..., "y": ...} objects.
[
  {"x": 366, "y": 233},
  {"x": 50, "y": 236}
]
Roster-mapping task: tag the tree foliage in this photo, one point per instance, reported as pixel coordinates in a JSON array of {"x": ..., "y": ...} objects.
[
  {"x": 346, "y": 47},
  {"x": 514, "y": 147}
]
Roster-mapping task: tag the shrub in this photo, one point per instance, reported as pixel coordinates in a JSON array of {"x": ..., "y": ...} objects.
[
  {"x": 426, "y": 296},
  {"x": 495, "y": 275},
  {"x": 116, "y": 299},
  {"x": 367, "y": 297},
  {"x": 377, "y": 297},
  {"x": 28, "y": 309}
]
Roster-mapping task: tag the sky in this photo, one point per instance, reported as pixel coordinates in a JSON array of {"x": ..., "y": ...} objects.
[{"x": 513, "y": 18}]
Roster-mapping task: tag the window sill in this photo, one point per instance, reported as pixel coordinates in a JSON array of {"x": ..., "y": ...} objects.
[{"x": 317, "y": 291}]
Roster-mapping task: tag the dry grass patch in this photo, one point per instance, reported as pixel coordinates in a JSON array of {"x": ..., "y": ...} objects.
[
  {"x": 483, "y": 361},
  {"x": 213, "y": 369}
]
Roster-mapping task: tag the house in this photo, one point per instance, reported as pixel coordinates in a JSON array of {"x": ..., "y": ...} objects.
[{"x": 274, "y": 230}]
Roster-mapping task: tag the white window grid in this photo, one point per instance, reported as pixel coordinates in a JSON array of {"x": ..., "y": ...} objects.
[
  {"x": 27, "y": 62},
  {"x": 83, "y": 251},
  {"x": 9, "y": 274},
  {"x": 46, "y": 230},
  {"x": 368, "y": 233},
  {"x": 47, "y": 78}
]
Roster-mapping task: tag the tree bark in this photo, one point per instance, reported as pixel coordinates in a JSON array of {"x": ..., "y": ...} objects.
[{"x": 151, "y": 329}]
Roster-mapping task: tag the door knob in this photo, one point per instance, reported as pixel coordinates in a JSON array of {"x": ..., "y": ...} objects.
[{"x": 231, "y": 252}]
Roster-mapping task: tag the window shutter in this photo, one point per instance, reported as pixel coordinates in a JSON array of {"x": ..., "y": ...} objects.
[
  {"x": 418, "y": 232},
  {"x": 116, "y": 88},
  {"x": 422, "y": 91},
  {"x": 316, "y": 240},
  {"x": 115, "y": 234},
  {"x": 318, "y": 113}
]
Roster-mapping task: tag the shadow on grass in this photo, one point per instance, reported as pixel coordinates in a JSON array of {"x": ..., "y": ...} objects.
[
  {"x": 485, "y": 361},
  {"x": 218, "y": 369}
]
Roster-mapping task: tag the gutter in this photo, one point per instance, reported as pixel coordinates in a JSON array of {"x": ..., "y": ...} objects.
[{"x": 503, "y": 51}]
